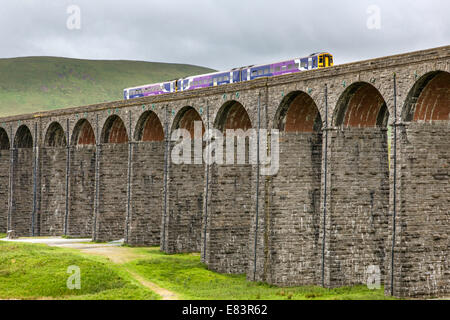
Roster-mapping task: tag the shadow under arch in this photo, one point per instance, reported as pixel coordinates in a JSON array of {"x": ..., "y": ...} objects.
[
  {"x": 83, "y": 133},
  {"x": 361, "y": 105},
  {"x": 4, "y": 140},
  {"x": 23, "y": 137},
  {"x": 298, "y": 112},
  {"x": 114, "y": 131},
  {"x": 55, "y": 136},
  {"x": 149, "y": 128},
  {"x": 232, "y": 115},
  {"x": 429, "y": 98},
  {"x": 185, "y": 119}
]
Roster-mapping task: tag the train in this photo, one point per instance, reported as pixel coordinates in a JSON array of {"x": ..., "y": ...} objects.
[{"x": 314, "y": 61}]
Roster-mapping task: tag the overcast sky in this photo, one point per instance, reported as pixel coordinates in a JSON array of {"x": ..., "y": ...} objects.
[{"x": 221, "y": 34}]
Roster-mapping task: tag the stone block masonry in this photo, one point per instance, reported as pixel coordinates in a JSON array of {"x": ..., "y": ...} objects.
[
  {"x": 324, "y": 218},
  {"x": 53, "y": 191},
  {"x": 82, "y": 191},
  {"x": 357, "y": 222},
  {"x": 421, "y": 256},
  {"x": 295, "y": 211},
  {"x": 147, "y": 197},
  {"x": 112, "y": 193},
  {"x": 4, "y": 189}
]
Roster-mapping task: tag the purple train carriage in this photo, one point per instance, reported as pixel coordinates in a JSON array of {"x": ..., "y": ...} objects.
[{"x": 314, "y": 61}]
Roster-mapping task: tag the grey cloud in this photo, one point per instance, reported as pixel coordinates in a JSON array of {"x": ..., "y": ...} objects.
[{"x": 221, "y": 34}]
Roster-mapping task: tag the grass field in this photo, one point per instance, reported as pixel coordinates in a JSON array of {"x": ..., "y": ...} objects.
[
  {"x": 30, "y": 271},
  {"x": 190, "y": 279},
  {"x": 33, "y": 84}
]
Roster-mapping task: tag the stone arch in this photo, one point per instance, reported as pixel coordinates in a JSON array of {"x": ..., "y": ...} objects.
[
  {"x": 186, "y": 118},
  {"x": 23, "y": 138},
  {"x": 22, "y": 195},
  {"x": 4, "y": 140},
  {"x": 230, "y": 201},
  {"x": 232, "y": 115},
  {"x": 361, "y": 105},
  {"x": 147, "y": 161},
  {"x": 114, "y": 131},
  {"x": 149, "y": 128},
  {"x": 423, "y": 190},
  {"x": 82, "y": 180},
  {"x": 83, "y": 133},
  {"x": 298, "y": 112},
  {"x": 429, "y": 98},
  {"x": 113, "y": 169},
  {"x": 295, "y": 192},
  {"x": 53, "y": 182},
  {"x": 55, "y": 136},
  {"x": 183, "y": 232},
  {"x": 358, "y": 184}
]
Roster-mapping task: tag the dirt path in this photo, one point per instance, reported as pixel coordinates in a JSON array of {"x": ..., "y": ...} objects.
[{"x": 121, "y": 255}]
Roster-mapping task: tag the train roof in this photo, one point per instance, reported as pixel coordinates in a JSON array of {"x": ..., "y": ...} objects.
[{"x": 226, "y": 71}]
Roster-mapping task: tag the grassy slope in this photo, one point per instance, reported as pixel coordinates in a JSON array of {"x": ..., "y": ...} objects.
[
  {"x": 34, "y": 84},
  {"x": 38, "y": 271},
  {"x": 187, "y": 276}
]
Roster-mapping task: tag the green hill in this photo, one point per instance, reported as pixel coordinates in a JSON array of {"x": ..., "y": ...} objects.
[{"x": 33, "y": 84}]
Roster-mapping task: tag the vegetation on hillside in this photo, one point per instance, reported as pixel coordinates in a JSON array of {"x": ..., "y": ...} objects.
[{"x": 33, "y": 84}]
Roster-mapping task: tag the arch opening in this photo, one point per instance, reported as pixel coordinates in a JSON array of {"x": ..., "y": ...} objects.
[
  {"x": 83, "y": 133},
  {"x": 114, "y": 131},
  {"x": 149, "y": 128},
  {"x": 23, "y": 138},
  {"x": 4, "y": 140},
  {"x": 429, "y": 99},
  {"x": 361, "y": 106},
  {"x": 233, "y": 115},
  {"x": 298, "y": 113},
  {"x": 55, "y": 136},
  {"x": 186, "y": 119}
]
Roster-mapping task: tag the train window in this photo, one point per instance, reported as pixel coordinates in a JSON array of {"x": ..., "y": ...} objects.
[
  {"x": 283, "y": 68},
  {"x": 255, "y": 72},
  {"x": 297, "y": 66},
  {"x": 278, "y": 69},
  {"x": 260, "y": 72}
]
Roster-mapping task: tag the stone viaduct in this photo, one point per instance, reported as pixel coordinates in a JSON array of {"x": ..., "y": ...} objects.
[{"x": 363, "y": 180}]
